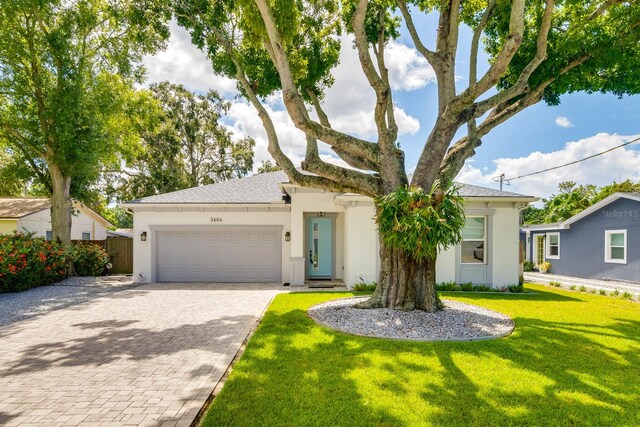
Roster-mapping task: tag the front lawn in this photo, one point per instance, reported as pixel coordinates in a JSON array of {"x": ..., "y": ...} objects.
[{"x": 574, "y": 359}]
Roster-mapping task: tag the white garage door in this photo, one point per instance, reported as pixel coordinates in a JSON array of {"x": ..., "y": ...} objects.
[{"x": 230, "y": 254}]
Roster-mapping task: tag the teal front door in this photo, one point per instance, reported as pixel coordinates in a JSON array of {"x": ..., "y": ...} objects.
[{"x": 320, "y": 247}]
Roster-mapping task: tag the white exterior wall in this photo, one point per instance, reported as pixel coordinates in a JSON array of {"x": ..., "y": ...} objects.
[
  {"x": 505, "y": 242},
  {"x": 356, "y": 246},
  {"x": 446, "y": 265},
  {"x": 84, "y": 222},
  {"x": 360, "y": 245},
  {"x": 146, "y": 219}
]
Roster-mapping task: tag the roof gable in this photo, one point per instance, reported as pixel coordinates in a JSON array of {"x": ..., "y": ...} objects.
[
  {"x": 266, "y": 188},
  {"x": 602, "y": 203},
  {"x": 588, "y": 211}
]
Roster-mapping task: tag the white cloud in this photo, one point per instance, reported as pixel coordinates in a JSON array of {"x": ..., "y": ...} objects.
[
  {"x": 182, "y": 62},
  {"x": 616, "y": 165},
  {"x": 408, "y": 70},
  {"x": 564, "y": 122}
]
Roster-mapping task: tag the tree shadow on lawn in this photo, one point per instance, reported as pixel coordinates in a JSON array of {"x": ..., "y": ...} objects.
[{"x": 549, "y": 372}]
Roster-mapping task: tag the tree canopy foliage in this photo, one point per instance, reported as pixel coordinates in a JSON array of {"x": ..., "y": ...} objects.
[
  {"x": 572, "y": 199},
  {"x": 189, "y": 146},
  {"x": 67, "y": 101}
]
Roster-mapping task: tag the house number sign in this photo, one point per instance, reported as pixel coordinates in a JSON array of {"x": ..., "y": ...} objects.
[{"x": 215, "y": 219}]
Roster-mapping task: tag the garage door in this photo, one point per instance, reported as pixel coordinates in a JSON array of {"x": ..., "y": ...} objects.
[{"x": 239, "y": 254}]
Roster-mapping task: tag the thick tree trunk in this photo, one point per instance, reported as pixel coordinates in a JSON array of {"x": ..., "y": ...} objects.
[
  {"x": 60, "y": 205},
  {"x": 404, "y": 283}
]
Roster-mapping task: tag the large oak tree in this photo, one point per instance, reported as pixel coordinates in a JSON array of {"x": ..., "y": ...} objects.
[
  {"x": 538, "y": 49},
  {"x": 67, "y": 99}
]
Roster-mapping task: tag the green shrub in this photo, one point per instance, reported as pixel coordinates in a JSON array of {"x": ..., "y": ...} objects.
[
  {"x": 528, "y": 266},
  {"x": 516, "y": 289},
  {"x": 89, "y": 259},
  {"x": 27, "y": 262},
  {"x": 603, "y": 292},
  {"x": 447, "y": 286},
  {"x": 626, "y": 295},
  {"x": 615, "y": 293},
  {"x": 572, "y": 287},
  {"x": 583, "y": 289},
  {"x": 592, "y": 291},
  {"x": 363, "y": 287},
  {"x": 466, "y": 286}
]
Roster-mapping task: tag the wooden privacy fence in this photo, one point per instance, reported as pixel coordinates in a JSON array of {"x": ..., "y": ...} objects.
[{"x": 120, "y": 250}]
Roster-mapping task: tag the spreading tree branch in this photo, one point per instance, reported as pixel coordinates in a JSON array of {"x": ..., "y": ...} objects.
[
  {"x": 354, "y": 161},
  {"x": 521, "y": 85},
  {"x": 465, "y": 147},
  {"x": 344, "y": 180},
  {"x": 293, "y": 101}
]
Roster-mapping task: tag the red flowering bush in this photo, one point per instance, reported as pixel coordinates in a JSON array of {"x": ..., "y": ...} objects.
[
  {"x": 27, "y": 262},
  {"x": 89, "y": 259}
]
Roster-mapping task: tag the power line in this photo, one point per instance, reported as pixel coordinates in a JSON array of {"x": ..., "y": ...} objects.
[
  {"x": 501, "y": 180},
  {"x": 507, "y": 180}
]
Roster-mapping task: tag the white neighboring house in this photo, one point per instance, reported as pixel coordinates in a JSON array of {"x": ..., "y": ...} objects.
[
  {"x": 262, "y": 228},
  {"x": 34, "y": 215}
]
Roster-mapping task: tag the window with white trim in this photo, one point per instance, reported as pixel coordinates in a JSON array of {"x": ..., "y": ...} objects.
[
  {"x": 474, "y": 240},
  {"x": 615, "y": 246},
  {"x": 86, "y": 235},
  {"x": 553, "y": 246}
]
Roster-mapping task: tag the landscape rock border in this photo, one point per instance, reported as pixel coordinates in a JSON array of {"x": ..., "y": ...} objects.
[{"x": 457, "y": 322}]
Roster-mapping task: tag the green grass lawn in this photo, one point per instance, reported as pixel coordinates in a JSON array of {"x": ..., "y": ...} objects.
[{"x": 574, "y": 359}]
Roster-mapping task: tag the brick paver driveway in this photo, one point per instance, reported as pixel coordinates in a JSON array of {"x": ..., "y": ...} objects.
[{"x": 149, "y": 355}]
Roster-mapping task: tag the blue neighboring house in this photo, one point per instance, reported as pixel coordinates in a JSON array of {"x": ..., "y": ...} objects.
[{"x": 602, "y": 242}]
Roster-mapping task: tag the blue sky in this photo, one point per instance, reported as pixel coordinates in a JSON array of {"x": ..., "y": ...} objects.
[{"x": 540, "y": 137}]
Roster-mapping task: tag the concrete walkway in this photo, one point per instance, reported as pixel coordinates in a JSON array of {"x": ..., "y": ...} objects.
[
  {"x": 145, "y": 356},
  {"x": 566, "y": 281}
]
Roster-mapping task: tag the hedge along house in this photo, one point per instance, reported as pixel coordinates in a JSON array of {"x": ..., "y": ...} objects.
[
  {"x": 601, "y": 242},
  {"x": 31, "y": 214},
  {"x": 264, "y": 229}
]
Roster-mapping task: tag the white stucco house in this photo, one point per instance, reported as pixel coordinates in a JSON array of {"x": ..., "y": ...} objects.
[
  {"x": 33, "y": 214},
  {"x": 262, "y": 228}
]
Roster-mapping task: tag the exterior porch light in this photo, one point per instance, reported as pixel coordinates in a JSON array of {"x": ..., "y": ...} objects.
[
  {"x": 287, "y": 236},
  {"x": 143, "y": 236}
]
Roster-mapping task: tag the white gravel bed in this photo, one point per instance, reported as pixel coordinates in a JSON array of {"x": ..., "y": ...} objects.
[
  {"x": 457, "y": 322},
  {"x": 71, "y": 291}
]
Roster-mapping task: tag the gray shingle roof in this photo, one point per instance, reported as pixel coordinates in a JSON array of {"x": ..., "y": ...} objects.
[
  {"x": 468, "y": 190},
  {"x": 265, "y": 188},
  {"x": 262, "y": 188}
]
